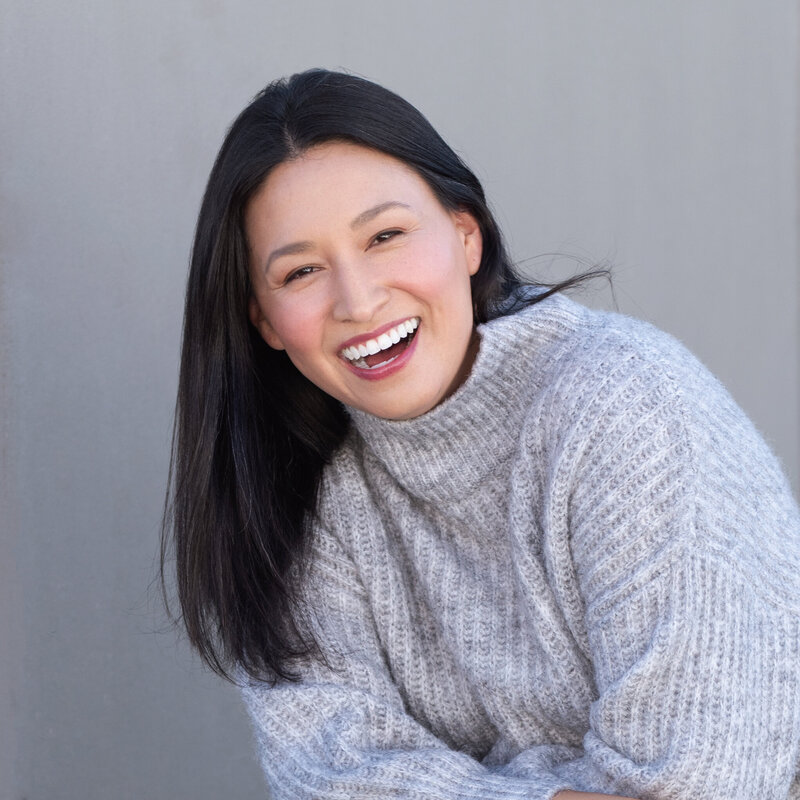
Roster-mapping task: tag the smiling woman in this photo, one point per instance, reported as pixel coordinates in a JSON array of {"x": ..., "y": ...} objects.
[{"x": 457, "y": 537}]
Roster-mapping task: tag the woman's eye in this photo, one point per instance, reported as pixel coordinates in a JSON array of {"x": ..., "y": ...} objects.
[
  {"x": 299, "y": 273},
  {"x": 384, "y": 236}
]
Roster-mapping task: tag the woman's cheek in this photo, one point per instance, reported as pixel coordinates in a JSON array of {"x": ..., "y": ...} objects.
[{"x": 303, "y": 322}]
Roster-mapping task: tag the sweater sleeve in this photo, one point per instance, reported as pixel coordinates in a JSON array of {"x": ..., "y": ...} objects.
[
  {"x": 342, "y": 732},
  {"x": 682, "y": 550}
]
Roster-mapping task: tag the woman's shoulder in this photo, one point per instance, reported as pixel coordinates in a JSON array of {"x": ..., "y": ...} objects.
[
  {"x": 578, "y": 354},
  {"x": 603, "y": 374},
  {"x": 578, "y": 333},
  {"x": 627, "y": 405}
]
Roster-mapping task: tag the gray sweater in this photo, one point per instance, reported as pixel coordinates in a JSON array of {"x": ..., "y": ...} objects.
[{"x": 582, "y": 570}]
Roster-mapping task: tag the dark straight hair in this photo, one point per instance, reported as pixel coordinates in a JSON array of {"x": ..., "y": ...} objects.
[{"x": 252, "y": 435}]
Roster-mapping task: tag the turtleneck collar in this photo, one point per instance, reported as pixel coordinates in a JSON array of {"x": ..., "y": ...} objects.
[{"x": 445, "y": 453}]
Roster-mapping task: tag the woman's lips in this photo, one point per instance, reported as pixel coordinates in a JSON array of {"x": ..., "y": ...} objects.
[
  {"x": 366, "y": 353},
  {"x": 387, "y": 360}
]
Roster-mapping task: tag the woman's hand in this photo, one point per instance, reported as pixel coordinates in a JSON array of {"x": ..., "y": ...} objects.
[{"x": 570, "y": 795}]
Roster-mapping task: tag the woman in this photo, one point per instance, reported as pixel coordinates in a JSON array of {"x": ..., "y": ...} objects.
[{"x": 457, "y": 537}]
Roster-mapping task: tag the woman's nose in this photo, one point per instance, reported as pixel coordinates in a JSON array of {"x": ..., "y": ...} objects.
[{"x": 359, "y": 294}]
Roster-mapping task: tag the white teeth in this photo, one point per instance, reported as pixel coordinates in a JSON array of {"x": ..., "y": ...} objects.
[{"x": 383, "y": 342}]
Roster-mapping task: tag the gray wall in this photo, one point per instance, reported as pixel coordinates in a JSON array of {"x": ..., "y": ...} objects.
[{"x": 661, "y": 136}]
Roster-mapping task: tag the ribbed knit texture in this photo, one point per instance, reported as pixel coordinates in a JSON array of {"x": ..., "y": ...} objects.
[{"x": 582, "y": 570}]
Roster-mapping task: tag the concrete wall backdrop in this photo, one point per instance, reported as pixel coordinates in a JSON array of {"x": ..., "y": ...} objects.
[{"x": 662, "y": 136}]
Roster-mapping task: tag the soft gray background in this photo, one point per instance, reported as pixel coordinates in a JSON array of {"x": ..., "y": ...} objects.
[{"x": 661, "y": 136}]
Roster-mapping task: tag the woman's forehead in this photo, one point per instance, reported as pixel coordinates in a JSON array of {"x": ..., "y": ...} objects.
[{"x": 338, "y": 181}]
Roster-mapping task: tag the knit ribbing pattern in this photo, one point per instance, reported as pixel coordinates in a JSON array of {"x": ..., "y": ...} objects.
[{"x": 582, "y": 570}]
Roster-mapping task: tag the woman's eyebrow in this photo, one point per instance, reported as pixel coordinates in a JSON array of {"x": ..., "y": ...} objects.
[
  {"x": 366, "y": 216},
  {"x": 292, "y": 249}
]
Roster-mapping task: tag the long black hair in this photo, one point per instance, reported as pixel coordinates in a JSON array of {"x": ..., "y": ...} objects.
[{"x": 252, "y": 435}]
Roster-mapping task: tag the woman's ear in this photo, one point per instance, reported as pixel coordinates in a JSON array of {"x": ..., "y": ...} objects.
[
  {"x": 471, "y": 237},
  {"x": 261, "y": 324}
]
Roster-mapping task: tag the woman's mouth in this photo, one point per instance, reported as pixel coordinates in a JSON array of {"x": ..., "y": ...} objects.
[{"x": 383, "y": 349}]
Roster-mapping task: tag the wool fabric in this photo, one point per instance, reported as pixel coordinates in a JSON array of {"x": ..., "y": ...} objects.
[{"x": 581, "y": 570}]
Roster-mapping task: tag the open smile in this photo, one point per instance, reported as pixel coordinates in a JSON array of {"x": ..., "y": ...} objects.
[{"x": 382, "y": 349}]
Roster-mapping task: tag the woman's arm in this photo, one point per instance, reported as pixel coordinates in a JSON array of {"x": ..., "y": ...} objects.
[{"x": 683, "y": 540}]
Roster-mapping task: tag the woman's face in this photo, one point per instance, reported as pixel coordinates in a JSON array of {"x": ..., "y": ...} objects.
[{"x": 362, "y": 276}]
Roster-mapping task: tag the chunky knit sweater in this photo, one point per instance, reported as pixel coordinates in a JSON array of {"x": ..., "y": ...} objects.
[{"x": 582, "y": 570}]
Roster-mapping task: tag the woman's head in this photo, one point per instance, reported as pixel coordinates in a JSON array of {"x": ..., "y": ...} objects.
[
  {"x": 295, "y": 114},
  {"x": 288, "y": 120}
]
